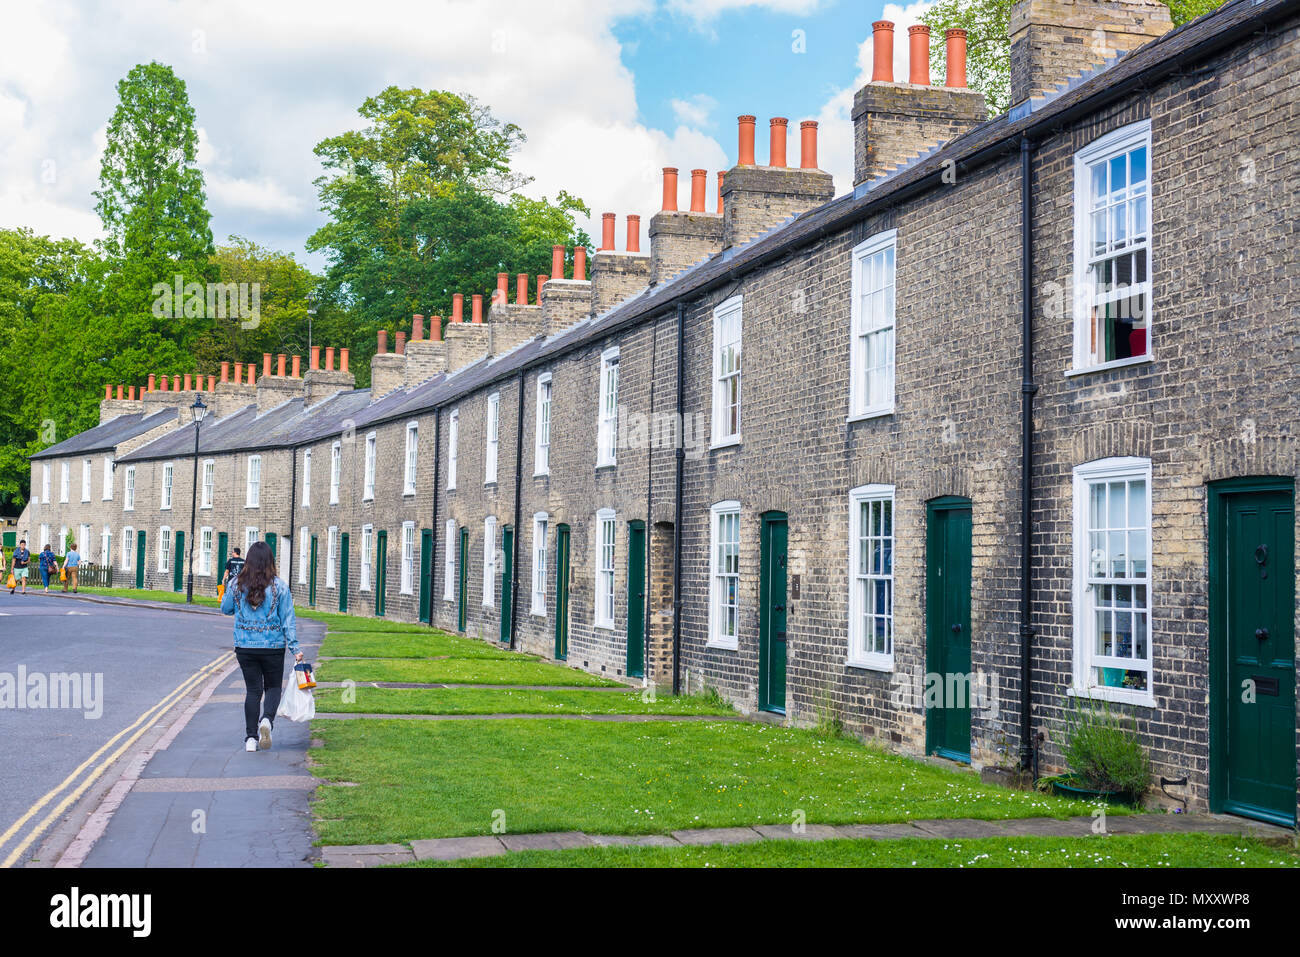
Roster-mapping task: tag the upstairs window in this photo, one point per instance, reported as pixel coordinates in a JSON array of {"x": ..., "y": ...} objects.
[
  {"x": 306, "y": 478},
  {"x": 64, "y": 481},
  {"x": 86, "y": 466},
  {"x": 453, "y": 445},
  {"x": 542, "y": 447},
  {"x": 492, "y": 443},
  {"x": 169, "y": 470},
  {"x": 368, "y": 489},
  {"x": 108, "y": 479},
  {"x": 607, "y": 426},
  {"x": 45, "y": 483},
  {"x": 129, "y": 485},
  {"x": 254, "y": 499},
  {"x": 1112, "y": 253},
  {"x": 871, "y": 361},
  {"x": 412, "y": 452},
  {"x": 209, "y": 483},
  {"x": 336, "y": 471},
  {"x": 726, "y": 372}
]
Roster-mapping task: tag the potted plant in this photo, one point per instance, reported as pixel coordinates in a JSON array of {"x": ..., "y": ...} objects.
[{"x": 1104, "y": 757}]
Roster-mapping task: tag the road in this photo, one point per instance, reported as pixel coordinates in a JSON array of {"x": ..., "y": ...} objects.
[{"x": 137, "y": 670}]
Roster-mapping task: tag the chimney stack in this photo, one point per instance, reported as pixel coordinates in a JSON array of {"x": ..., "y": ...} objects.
[
  {"x": 918, "y": 39},
  {"x": 266, "y": 364},
  {"x": 670, "y": 190},
  {"x": 476, "y": 315},
  {"x": 401, "y": 343},
  {"x": 746, "y": 131},
  {"x": 329, "y": 358},
  {"x": 882, "y": 52},
  {"x": 297, "y": 367},
  {"x": 315, "y": 358},
  {"x": 343, "y": 360},
  {"x": 557, "y": 262},
  {"x": 580, "y": 263},
  {"x": 955, "y": 43},
  {"x": 435, "y": 328},
  {"x": 606, "y": 231},
  {"x": 757, "y": 198},
  {"x": 187, "y": 382},
  {"x": 808, "y": 144},
  {"x": 521, "y": 289},
  {"x": 633, "y": 233},
  {"x": 417, "y": 324},
  {"x": 382, "y": 343},
  {"x": 458, "y": 307},
  {"x": 777, "y": 141},
  {"x": 503, "y": 283},
  {"x": 212, "y": 383},
  {"x": 697, "y": 190},
  {"x": 280, "y": 360}
]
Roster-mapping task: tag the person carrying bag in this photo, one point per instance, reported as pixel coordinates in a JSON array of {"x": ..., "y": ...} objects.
[{"x": 264, "y": 626}]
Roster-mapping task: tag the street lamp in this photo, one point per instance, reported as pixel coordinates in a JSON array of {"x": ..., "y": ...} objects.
[{"x": 198, "y": 410}]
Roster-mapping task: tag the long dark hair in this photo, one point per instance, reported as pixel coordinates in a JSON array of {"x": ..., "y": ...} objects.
[{"x": 256, "y": 575}]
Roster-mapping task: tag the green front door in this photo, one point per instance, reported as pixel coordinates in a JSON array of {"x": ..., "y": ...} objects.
[
  {"x": 223, "y": 552},
  {"x": 947, "y": 628},
  {"x": 178, "y": 563},
  {"x": 561, "y": 592},
  {"x": 772, "y": 584},
  {"x": 381, "y": 573},
  {"x": 426, "y": 573},
  {"x": 636, "y": 557},
  {"x": 507, "y": 579},
  {"x": 311, "y": 575},
  {"x": 1252, "y": 614},
  {"x": 462, "y": 586},
  {"x": 141, "y": 542},
  {"x": 273, "y": 542},
  {"x": 344, "y": 541}
]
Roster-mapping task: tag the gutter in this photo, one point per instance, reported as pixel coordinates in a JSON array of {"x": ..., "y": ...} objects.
[{"x": 1028, "y": 748}]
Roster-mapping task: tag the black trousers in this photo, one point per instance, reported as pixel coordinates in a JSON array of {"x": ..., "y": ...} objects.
[{"x": 263, "y": 670}]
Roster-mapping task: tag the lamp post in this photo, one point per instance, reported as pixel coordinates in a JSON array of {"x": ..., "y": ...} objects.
[{"x": 198, "y": 410}]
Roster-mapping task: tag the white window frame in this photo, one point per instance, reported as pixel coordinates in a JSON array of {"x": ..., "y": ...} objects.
[
  {"x": 885, "y": 327},
  {"x": 254, "y": 487},
  {"x": 45, "y": 537},
  {"x": 106, "y": 547},
  {"x": 306, "y": 478},
  {"x": 168, "y": 480},
  {"x": 453, "y": 448},
  {"x": 412, "y": 458},
  {"x": 492, "y": 439},
  {"x": 87, "y": 466},
  {"x": 368, "y": 485},
  {"x": 858, "y": 654},
  {"x": 164, "y": 549},
  {"x": 128, "y": 494},
  {"x": 408, "y": 558},
  {"x": 207, "y": 487},
  {"x": 304, "y": 554},
  {"x": 331, "y": 557},
  {"x": 489, "y": 560},
  {"x": 727, "y": 316},
  {"x": 449, "y": 562},
  {"x": 605, "y": 562},
  {"x": 65, "y": 480},
  {"x": 128, "y": 549},
  {"x": 1115, "y": 143},
  {"x": 336, "y": 471},
  {"x": 1125, "y": 468},
  {"x": 251, "y": 534},
  {"x": 541, "y": 526},
  {"x": 205, "y": 551},
  {"x": 62, "y": 545},
  {"x": 607, "y": 409},
  {"x": 83, "y": 538},
  {"x": 45, "y": 482},
  {"x": 367, "y": 552},
  {"x": 107, "y": 494},
  {"x": 542, "y": 440},
  {"x": 717, "y": 638}
]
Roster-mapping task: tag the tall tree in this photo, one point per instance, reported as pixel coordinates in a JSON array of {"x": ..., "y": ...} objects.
[
  {"x": 420, "y": 207},
  {"x": 988, "y": 59}
]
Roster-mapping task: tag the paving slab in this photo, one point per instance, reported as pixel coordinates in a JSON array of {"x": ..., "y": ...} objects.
[
  {"x": 880, "y": 832},
  {"x": 552, "y": 841},
  {"x": 718, "y": 835},
  {"x": 366, "y": 855},
  {"x": 786, "y": 832},
  {"x": 456, "y": 848},
  {"x": 962, "y": 827},
  {"x": 634, "y": 840}
]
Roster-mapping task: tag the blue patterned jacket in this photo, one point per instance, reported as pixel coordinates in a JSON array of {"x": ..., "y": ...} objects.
[{"x": 270, "y": 625}]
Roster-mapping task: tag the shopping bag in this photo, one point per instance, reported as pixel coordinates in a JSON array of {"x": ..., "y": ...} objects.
[
  {"x": 63, "y": 574},
  {"x": 12, "y": 582},
  {"x": 297, "y": 703},
  {"x": 221, "y": 592}
]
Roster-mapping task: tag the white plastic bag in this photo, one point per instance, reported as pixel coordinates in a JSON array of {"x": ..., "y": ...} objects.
[{"x": 296, "y": 704}]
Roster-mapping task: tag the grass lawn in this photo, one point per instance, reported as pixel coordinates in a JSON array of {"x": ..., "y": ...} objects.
[
  {"x": 511, "y": 701},
  {"x": 428, "y": 643},
  {"x": 1115, "y": 850},
  {"x": 418, "y": 779},
  {"x": 337, "y": 622},
  {"x": 514, "y": 671},
  {"x": 142, "y": 594}
]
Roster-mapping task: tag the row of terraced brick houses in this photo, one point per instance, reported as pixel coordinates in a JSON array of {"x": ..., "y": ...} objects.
[{"x": 1020, "y": 408}]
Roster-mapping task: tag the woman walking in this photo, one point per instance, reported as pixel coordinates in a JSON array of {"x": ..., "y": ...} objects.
[{"x": 264, "y": 627}]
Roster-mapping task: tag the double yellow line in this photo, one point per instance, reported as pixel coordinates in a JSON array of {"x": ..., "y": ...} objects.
[{"x": 131, "y": 733}]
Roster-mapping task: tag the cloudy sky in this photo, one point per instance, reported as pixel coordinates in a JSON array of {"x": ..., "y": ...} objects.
[{"x": 607, "y": 91}]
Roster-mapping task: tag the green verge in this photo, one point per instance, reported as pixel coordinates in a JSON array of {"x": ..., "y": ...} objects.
[
  {"x": 337, "y": 622},
  {"x": 472, "y": 671},
  {"x": 423, "y": 779},
  {"x": 429, "y": 643},
  {"x": 510, "y": 701},
  {"x": 1115, "y": 850},
  {"x": 141, "y": 594}
]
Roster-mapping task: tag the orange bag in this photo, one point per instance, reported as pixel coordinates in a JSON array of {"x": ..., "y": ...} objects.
[
  {"x": 221, "y": 592},
  {"x": 12, "y": 582},
  {"x": 63, "y": 574}
]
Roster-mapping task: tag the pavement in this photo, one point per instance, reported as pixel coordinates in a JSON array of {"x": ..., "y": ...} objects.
[{"x": 161, "y": 778}]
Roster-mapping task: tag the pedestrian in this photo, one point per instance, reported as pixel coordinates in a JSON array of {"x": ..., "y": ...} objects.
[
  {"x": 48, "y": 565},
  {"x": 22, "y": 559},
  {"x": 233, "y": 567},
  {"x": 264, "y": 626},
  {"x": 71, "y": 562}
]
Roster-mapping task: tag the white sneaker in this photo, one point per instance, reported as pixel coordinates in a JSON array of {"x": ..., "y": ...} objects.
[
  {"x": 264, "y": 734},
  {"x": 250, "y": 744}
]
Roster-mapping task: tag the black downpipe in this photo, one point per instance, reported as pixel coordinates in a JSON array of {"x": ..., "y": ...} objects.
[
  {"x": 293, "y": 510},
  {"x": 433, "y": 563},
  {"x": 514, "y": 545},
  {"x": 649, "y": 501},
  {"x": 1028, "y": 748},
  {"x": 677, "y": 507}
]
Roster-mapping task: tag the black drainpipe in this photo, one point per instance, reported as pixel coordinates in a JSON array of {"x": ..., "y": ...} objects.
[
  {"x": 293, "y": 492},
  {"x": 1028, "y": 747},
  {"x": 433, "y": 559},
  {"x": 677, "y": 508},
  {"x": 649, "y": 505},
  {"x": 514, "y": 545}
]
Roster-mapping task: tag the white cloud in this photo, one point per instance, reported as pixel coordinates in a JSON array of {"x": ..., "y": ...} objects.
[
  {"x": 706, "y": 11},
  {"x": 695, "y": 111}
]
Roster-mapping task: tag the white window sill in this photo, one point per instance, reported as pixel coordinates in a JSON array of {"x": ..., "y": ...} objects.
[
  {"x": 406, "y": 591},
  {"x": 871, "y": 414},
  {"x": 545, "y": 475},
  {"x": 605, "y": 465},
  {"x": 1106, "y": 366},
  {"x": 128, "y": 508},
  {"x": 409, "y": 491},
  {"x": 164, "y": 508},
  {"x": 723, "y": 644},
  {"x": 537, "y": 612},
  {"x": 725, "y": 443},
  {"x": 246, "y": 507},
  {"x": 1142, "y": 699},
  {"x": 602, "y": 625},
  {"x": 365, "y": 589},
  {"x": 871, "y": 663}
]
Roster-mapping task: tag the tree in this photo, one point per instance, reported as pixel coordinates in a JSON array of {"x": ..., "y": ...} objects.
[
  {"x": 420, "y": 208},
  {"x": 988, "y": 56}
]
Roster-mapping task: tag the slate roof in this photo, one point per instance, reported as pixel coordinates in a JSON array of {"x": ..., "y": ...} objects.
[{"x": 108, "y": 435}]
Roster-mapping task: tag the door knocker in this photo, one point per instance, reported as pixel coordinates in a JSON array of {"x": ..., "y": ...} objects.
[{"x": 1261, "y": 559}]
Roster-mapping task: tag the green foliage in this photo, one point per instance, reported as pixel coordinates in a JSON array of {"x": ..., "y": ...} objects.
[
  {"x": 1102, "y": 749},
  {"x": 988, "y": 58}
]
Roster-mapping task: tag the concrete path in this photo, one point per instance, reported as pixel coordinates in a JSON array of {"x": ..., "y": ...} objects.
[{"x": 462, "y": 848}]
